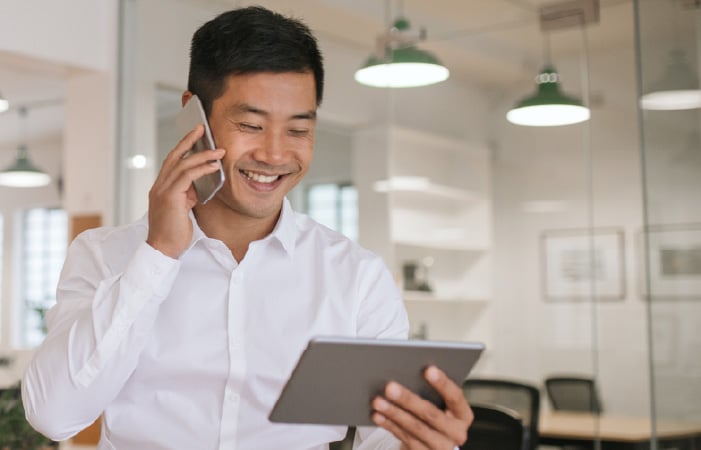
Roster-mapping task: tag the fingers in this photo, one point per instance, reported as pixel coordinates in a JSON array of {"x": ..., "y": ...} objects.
[
  {"x": 417, "y": 422},
  {"x": 413, "y": 432},
  {"x": 172, "y": 195},
  {"x": 178, "y": 172},
  {"x": 452, "y": 394}
]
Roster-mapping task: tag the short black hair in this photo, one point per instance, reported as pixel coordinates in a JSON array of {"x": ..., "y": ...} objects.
[{"x": 249, "y": 40}]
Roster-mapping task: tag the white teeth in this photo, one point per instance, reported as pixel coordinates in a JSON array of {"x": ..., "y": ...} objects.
[{"x": 259, "y": 177}]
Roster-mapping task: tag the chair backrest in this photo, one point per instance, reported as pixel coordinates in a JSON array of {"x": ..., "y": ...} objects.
[
  {"x": 521, "y": 397},
  {"x": 494, "y": 428},
  {"x": 573, "y": 393}
]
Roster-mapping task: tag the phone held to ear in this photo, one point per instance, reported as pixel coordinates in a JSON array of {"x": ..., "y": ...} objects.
[{"x": 187, "y": 119}]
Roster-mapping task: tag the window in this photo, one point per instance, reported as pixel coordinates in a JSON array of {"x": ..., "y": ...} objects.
[
  {"x": 336, "y": 206},
  {"x": 43, "y": 249}
]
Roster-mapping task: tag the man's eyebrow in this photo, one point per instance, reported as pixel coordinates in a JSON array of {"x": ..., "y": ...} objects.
[
  {"x": 247, "y": 108},
  {"x": 309, "y": 115}
]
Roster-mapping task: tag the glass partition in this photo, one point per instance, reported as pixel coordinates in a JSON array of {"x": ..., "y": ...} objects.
[{"x": 668, "y": 38}]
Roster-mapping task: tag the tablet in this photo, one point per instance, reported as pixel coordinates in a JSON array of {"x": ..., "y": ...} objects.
[{"x": 336, "y": 377}]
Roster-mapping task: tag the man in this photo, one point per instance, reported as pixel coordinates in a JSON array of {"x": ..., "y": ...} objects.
[{"x": 182, "y": 328}]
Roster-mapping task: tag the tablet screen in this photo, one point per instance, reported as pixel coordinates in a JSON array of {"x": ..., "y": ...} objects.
[{"x": 336, "y": 377}]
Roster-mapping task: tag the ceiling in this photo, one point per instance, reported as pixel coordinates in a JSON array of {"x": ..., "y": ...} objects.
[{"x": 491, "y": 43}]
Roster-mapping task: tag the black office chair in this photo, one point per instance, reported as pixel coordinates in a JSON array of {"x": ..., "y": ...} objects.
[
  {"x": 521, "y": 397},
  {"x": 346, "y": 443},
  {"x": 494, "y": 428},
  {"x": 573, "y": 393}
]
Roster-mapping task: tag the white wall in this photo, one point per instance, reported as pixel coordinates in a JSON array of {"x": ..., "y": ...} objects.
[{"x": 78, "y": 33}]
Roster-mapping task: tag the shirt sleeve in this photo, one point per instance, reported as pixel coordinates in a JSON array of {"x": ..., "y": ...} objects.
[
  {"x": 375, "y": 439},
  {"x": 381, "y": 312},
  {"x": 96, "y": 332}
]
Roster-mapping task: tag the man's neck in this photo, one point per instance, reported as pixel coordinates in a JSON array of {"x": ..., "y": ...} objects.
[{"x": 230, "y": 227}]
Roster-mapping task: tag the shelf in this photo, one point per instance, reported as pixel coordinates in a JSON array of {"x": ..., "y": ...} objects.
[
  {"x": 426, "y": 244},
  {"x": 420, "y": 296},
  {"x": 432, "y": 195}
]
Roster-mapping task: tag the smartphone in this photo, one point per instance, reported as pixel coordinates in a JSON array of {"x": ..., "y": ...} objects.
[{"x": 187, "y": 119}]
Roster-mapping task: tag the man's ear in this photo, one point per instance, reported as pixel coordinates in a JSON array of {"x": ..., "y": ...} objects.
[{"x": 186, "y": 96}]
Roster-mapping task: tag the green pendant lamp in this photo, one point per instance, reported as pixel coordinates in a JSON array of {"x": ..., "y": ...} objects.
[
  {"x": 22, "y": 173},
  {"x": 549, "y": 106},
  {"x": 400, "y": 63}
]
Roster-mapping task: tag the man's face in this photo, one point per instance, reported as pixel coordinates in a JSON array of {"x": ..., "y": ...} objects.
[{"x": 266, "y": 122}]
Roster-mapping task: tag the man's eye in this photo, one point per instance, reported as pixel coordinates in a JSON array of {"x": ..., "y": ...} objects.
[
  {"x": 299, "y": 132},
  {"x": 249, "y": 127}
]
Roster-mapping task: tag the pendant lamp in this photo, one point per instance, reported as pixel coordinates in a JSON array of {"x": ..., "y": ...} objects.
[
  {"x": 678, "y": 88},
  {"x": 398, "y": 63},
  {"x": 23, "y": 173},
  {"x": 548, "y": 106}
]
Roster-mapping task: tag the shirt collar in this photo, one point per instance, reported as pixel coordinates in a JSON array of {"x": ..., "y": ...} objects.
[{"x": 285, "y": 230}]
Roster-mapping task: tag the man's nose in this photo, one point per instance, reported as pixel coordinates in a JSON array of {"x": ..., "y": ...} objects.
[{"x": 272, "y": 150}]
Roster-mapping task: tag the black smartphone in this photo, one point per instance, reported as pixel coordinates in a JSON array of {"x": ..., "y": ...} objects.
[{"x": 188, "y": 118}]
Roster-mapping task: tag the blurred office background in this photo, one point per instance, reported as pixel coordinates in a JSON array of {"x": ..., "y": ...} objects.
[{"x": 568, "y": 249}]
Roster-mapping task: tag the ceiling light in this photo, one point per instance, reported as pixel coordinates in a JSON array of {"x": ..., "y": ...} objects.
[
  {"x": 678, "y": 89},
  {"x": 4, "y": 104},
  {"x": 23, "y": 173},
  {"x": 548, "y": 106},
  {"x": 398, "y": 63}
]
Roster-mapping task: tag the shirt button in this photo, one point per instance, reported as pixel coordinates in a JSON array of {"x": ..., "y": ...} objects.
[
  {"x": 155, "y": 271},
  {"x": 236, "y": 279},
  {"x": 231, "y": 396}
]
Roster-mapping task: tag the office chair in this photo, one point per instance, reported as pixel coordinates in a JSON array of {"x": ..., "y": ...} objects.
[
  {"x": 346, "y": 443},
  {"x": 573, "y": 393},
  {"x": 520, "y": 397},
  {"x": 494, "y": 428}
]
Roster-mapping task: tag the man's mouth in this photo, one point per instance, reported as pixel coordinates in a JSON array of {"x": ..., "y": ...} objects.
[{"x": 259, "y": 177}]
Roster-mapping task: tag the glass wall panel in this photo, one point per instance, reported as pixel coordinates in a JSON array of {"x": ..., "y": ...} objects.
[{"x": 669, "y": 34}]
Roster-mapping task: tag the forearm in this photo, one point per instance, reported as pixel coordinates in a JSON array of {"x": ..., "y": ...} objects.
[{"x": 93, "y": 345}]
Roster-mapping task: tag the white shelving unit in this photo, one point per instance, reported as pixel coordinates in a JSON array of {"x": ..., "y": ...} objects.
[{"x": 424, "y": 196}]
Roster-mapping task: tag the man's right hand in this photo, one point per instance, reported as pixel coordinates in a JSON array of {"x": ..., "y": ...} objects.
[{"x": 172, "y": 195}]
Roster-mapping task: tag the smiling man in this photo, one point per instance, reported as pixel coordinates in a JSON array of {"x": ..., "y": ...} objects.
[{"x": 182, "y": 328}]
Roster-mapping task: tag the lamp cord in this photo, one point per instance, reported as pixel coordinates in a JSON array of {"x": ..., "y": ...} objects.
[{"x": 547, "y": 52}]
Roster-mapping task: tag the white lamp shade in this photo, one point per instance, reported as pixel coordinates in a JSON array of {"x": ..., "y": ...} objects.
[
  {"x": 548, "y": 115},
  {"x": 678, "y": 89},
  {"x": 399, "y": 75},
  {"x": 24, "y": 179},
  {"x": 673, "y": 99}
]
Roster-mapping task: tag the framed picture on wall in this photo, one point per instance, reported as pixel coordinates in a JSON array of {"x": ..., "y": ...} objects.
[
  {"x": 674, "y": 262},
  {"x": 583, "y": 264}
]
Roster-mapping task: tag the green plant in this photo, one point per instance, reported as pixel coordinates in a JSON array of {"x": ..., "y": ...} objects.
[{"x": 15, "y": 431}]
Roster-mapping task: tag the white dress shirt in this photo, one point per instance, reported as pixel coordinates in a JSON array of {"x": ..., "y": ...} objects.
[{"x": 192, "y": 353}]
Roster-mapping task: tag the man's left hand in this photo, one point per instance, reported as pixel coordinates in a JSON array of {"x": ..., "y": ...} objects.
[{"x": 417, "y": 422}]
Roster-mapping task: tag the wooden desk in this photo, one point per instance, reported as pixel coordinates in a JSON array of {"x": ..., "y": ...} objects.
[{"x": 616, "y": 432}]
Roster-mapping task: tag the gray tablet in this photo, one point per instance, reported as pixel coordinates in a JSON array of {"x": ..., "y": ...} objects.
[{"x": 336, "y": 377}]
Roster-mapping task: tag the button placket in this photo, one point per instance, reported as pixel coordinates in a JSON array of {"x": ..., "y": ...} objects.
[{"x": 237, "y": 363}]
